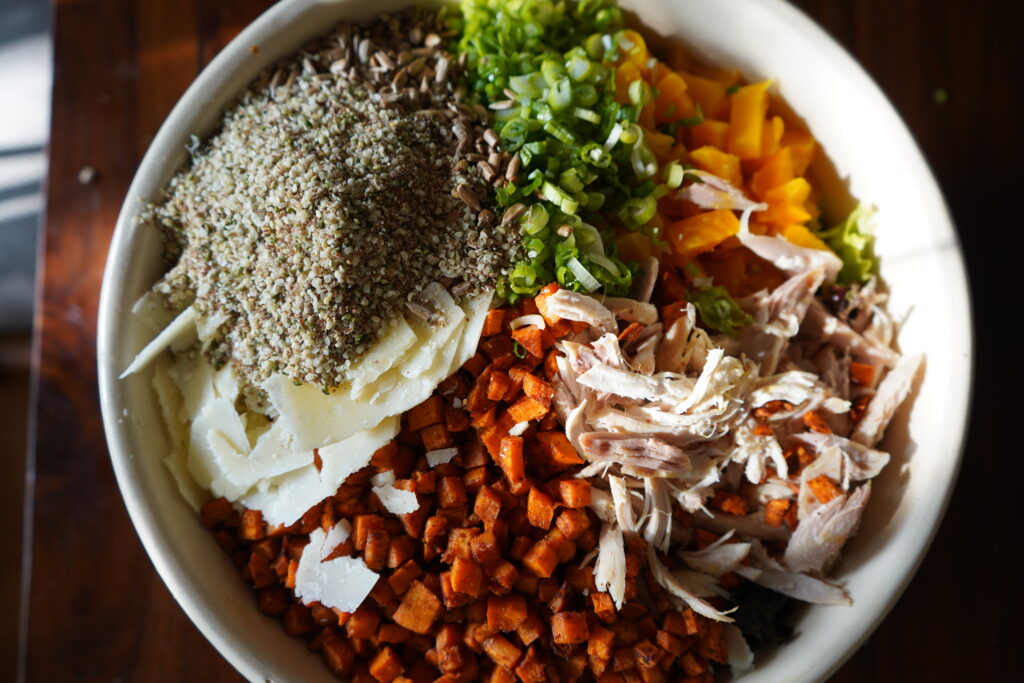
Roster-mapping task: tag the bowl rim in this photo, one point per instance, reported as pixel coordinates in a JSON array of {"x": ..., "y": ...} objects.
[{"x": 230, "y": 59}]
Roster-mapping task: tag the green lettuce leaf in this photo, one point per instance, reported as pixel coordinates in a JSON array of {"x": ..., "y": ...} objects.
[{"x": 853, "y": 241}]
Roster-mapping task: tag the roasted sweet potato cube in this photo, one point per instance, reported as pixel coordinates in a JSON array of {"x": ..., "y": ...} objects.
[
  {"x": 253, "y": 527},
  {"x": 467, "y": 576},
  {"x": 487, "y": 505},
  {"x": 604, "y": 607},
  {"x": 386, "y": 666},
  {"x": 503, "y": 576},
  {"x": 711, "y": 642},
  {"x": 526, "y": 408},
  {"x": 531, "y": 339},
  {"x": 541, "y": 558},
  {"x": 511, "y": 458},
  {"x": 401, "y": 549},
  {"x": 435, "y": 437},
  {"x": 558, "y": 448},
  {"x": 531, "y": 668},
  {"x": 451, "y": 492},
  {"x": 572, "y": 523},
  {"x": 575, "y": 493},
  {"x": 452, "y": 598},
  {"x": 580, "y": 579},
  {"x": 485, "y": 549},
  {"x": 498, "y": 386},
  {"x": 362, "y": 526},
  {"x": 775, "y": 511},
  {"x": 430, "y": 412},
  {"x": 530, "y": 628},
  {"x": 505, "y": 612},
  {"x": 671, "y": 643},
  {"x": 564, "y": 548},
  {"x": 339, "y": 655},
  {"x": 402, "y": 578},
  {"x": 375, "y": 554},
  {"x": 215, "y": 512},
  {"x": 493, "y": 323},
  {"x": 459, "y": 544},
  {"x": 502, "y": 651},
  {"x": 599, "y": 648},
  {"x": 692, "y": 664},
  {"x": 540, "y": 509},
  {"x": 362, "y": 623},
  {"x": 646, "y": 655},
  {"x": 393, "y": 633},
  {"x": 568, "y": 628},
  {"x": 520, "y": 546},
  {"x": 729, "y": 502},
  {"x": 823, "y": 488},
  {"x": 535, "y": 387},
  {"x": 419, "y": 608}
]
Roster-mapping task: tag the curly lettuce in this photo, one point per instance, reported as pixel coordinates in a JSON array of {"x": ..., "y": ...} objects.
[{"x": 853, "y": 241}]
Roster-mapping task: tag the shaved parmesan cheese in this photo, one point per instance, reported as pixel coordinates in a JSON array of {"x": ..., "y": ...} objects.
[
  {"x": 338, "y": 534},
  {"x": 194, "y": 379},
  {"x": 432, "y": 337},
  {"x": 518, "y": 428},
  {"x": 342, "y": 583},
  {"x": 205, "y": 456},
  {"x": 383, "y": 355},
  {"x": 523, "y": 320},
  {"x": 180, "y": 331},
  {"x": 285, "y": 498},
  {"x": 476, "y": 309},
  {"x": 396, "y": 501},
  {"x": 272, "y": 456},
  {"x": 225, "y": 383},
  {"x": 152, "y": 312},
  {"x": 441, "y": 456},
  {"x": 207, "y": 326}
]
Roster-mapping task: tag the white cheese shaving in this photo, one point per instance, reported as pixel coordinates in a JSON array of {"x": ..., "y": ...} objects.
[
  {"x": 396, "y": 501},
  {"x": 338, "y": 534},
  {"x": 441, "y": 456},
  {"x": 178, "y": 332},
  {"x": 518, "y": 428},
  {"x": 342, "y": 583},
  {"x": 432, "y": 337}
]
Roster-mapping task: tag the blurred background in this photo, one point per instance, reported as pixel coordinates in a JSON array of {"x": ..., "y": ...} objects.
[
  {"x": 25, "y": 80},
  {"x": 951, "y": 68}
]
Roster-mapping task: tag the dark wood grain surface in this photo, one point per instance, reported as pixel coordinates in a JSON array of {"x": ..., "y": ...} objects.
[{"x": 97, "y": 611}]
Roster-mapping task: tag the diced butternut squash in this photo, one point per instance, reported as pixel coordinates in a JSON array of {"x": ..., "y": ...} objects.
[
  {"x": 703, "y": 232},
  {"x": 746, "y": 120},
  {"x": 710, "y": 94},
  {"x": 711, "y": 133},
  {"x": 719, "y": 163}
]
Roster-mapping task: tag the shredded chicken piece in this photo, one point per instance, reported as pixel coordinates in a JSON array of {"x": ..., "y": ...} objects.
[
  {"x": 796, "y": 585},
  {"x": 657, "y": 513},
  {"x": 610, "y": 568},
  {"x": 670, "y": 583},
  {"x": 790, "y": 258},
  {"x": 632, "y": 310},
  {"x": 889, "y": 396},
  {"x": 574, "y": 306},
  {"x": 822, "y": 326},
  {"x": 819, "y": 538}
]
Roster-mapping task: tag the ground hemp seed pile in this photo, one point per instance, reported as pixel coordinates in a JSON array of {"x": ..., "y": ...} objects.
[{"x": 342, "y": 182}]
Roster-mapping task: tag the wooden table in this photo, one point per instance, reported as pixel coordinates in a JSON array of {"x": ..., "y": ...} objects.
[{"x": 98, "y": 611}]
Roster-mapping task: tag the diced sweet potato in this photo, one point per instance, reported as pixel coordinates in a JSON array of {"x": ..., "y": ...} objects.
[
  {"x": 503, "y": 576},
  {"x": 558, "y": 449},
  {"x": 419, "y": 608},
  {"x": 485, "y": 549},
  {"x": 430, "y": 412},
  {"x": 498, "y": 386},
  {"x": 362, "y": 526},
  {"x": 573, "y": 522},
  {"x": 536, "y": 388},
  {"x": 467, "y": 576},
  {"x": 575, "y": 493},
  {"x": 393, "y": 633},
  {"x": 298, "y": 620},
  {"x": 451, "y": 598},
  {"x": 711, "y": 643},
  {"x": 501, "y": 651},
  {"x": 531, "y": 338},
  {"x": 823, "y": 488},
  {"x": 436, "y": 437},
  {"x": 339, "y": 655},
  {"x": 540, "y": 509},
  {"x": 215, "y": 512},
  {"x": 568, "y": 628},
  {"x": 362, "y": 623},
  {"x": 402, "y": 578},
  {"x": 646, "y": 655},
  {"x": 692, "y": 664},
  {"x": 505, "y": 612},
  {"x": 541, "y": 559},
  {"x": 510, "y": 458},
  {"x": 526, "y": 408},
  {"x": 487, "y": 505},
  {"x": 375, "y": 554},
  {"x": 729, "y": 502},
  {"x": 475, "y": 365},
  {"x": 603, "y": 606},
  {"x": 451, "y": 493},
  {"x": 493, "y": 323},
  {"x": 531, "y": 668},
  {"x": 459, "y": 544},
  {"x": 253, "y": 528},
  {"x": 775, "y": 511},
  {"x": 273, "y": 600},
  {"x": 530, "y": 628},
  {"x": 386, "y": 666},
  {"x": 670, "y": 643}
]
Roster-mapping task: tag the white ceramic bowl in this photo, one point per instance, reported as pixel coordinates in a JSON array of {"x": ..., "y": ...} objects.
[{"x": 868, "y": 145}]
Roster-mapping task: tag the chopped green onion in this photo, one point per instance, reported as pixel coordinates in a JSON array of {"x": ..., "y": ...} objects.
[
  {"x": 534, "y": 219},
  {"x": 583, "y": 275},
  {"x": 640, "y": 93},
  {"x": 695, "y": 120},
  {"x": 638, "y": 210},
  {"x": 586, "y": 115},
  {"x": 673, "y": 174}
]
